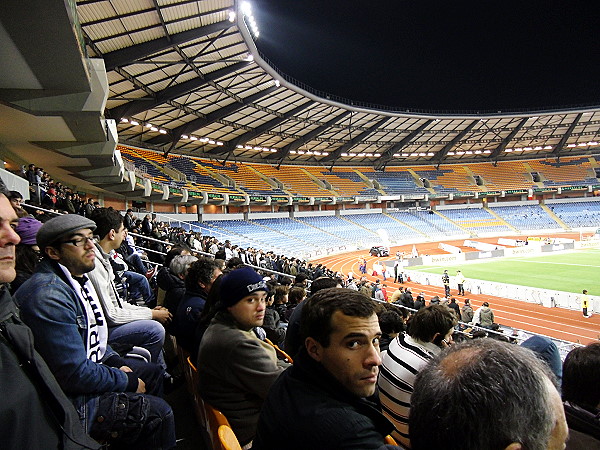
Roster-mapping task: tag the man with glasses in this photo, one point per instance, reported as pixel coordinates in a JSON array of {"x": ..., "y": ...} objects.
[{"x": 61, "y": 306}]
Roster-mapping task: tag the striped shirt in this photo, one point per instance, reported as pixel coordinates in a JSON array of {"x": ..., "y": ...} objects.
[{"x": 403, "y": 360}]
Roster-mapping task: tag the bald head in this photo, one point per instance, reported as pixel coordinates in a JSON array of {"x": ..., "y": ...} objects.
[{"x": 486, "y": 394}]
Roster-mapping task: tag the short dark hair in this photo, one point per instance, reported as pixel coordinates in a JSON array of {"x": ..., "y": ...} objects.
[
  {"x": 200, "y": 271},
  {"x": 106, "y": 219},
  {"x": 482, "y": 394},
  {"x": 390, "y": 322},
  {"x": 429, "y": 321},
  {"x": 279, "y": 292},
  {"x": 322, "y": 283},
  {"x": 581, "y": 373},
  {"x": 319, "y": 309},
  {"x": 296, "y": 294}
]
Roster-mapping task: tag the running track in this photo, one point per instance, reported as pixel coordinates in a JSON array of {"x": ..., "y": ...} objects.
[{"x": 555, "y": 322}]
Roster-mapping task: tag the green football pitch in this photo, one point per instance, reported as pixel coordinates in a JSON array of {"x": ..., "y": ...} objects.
[{"x": 569, "y": 272}]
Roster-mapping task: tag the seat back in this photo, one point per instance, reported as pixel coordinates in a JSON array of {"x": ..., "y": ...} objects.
[
  {"x": 280, "y": 353},
  {"x": 191, "y": 374},
  {"x": 214, "y": 420},
  {"x": 227, "y": 438}
]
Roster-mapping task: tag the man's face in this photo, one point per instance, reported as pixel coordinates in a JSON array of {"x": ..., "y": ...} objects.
[
  {"x": 352, "y": 356},
  {"x": 249, "y": 312},
  {"x": 120, "y": 235},
  {"x": 207, "y": 287},
  {"x": 16, "y": 202},
  {"x": 560, "y": 432},
  {"x": 78, "y": 259},
  {"x": 8, "y": 240}
]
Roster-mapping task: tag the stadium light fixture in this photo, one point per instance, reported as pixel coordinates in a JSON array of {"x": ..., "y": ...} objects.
[
  {"x": 293, "y": 152},
  {"x": 149, "y": 125},
  {"x": 219, "y": 143},
  {"x": 325, "y": 153},
  {"x": 231, "y": 16},
  {"x": 134, "y": 122},
  {"x": 450, "y": 153},
  {"x": 592, "y": 143},
  {"x": 538, "y": 148},
  {"x": 548, "y": 147},
  {"x": 161, "y": 131},
  {"x": 153, "y": 129},
  {"x": 344, "y": 154},
  {"x": 273, "y": 150},
  {"x": 508, "y": 150},
  {"x": 582, "y": 144},
  {"x": 487, "y": 151},
  {"x": 571, "y": 145},
  {"x": 277, "y": 83},
  {"x": 301, "y": 152},
  {"x": 184, "y": 136},
  {"x": 211, "y": 142},
  {"x": 396, "y": 155},
  {"x": 124, "y": 120},
  {"x": 246, "y": 10},
  {"x": 193, "y": 138},
  {"x": 204, "y": 140}
]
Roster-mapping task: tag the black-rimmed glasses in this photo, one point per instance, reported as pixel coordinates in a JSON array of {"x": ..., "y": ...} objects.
[{"x": 80, "y": 241}]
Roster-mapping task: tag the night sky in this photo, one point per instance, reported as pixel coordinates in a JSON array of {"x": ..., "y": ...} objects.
[{"x": 438, "y": 56}]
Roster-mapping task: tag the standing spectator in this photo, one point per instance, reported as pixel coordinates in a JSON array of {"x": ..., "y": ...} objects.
[
  {"x": 466, "y": 313},
  {"x": 585, "y": 303},
  {"x": 446, "y": 283},
  {"x": 429, "y": 331},
  {"x": 89, "y": 207},
  {"x": 129, "y": 220},
  {"x": 69, "y": 206},
  {"x": 460, "y": 280}
]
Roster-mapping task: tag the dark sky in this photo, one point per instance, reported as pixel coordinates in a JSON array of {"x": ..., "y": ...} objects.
[{"x": 451, "y": 55}]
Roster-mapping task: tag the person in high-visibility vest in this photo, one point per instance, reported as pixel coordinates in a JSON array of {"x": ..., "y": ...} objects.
[{"x": 585, "y": 302}]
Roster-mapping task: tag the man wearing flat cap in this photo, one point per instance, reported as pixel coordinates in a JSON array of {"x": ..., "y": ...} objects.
[
  {"x": 62, "y": 309},
  {"x": 236, "y": 368}
]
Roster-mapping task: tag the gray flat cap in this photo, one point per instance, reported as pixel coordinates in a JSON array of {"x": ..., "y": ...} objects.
[{"x": 61, "y": 226}]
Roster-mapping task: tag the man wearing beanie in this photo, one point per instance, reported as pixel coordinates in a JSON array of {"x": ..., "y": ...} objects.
[
  {"x": 61, "y": 307},
  {"x": 236, "y": 368}
]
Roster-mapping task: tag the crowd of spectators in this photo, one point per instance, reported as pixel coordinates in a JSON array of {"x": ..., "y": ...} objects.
[{"x": 99, "y": 307}]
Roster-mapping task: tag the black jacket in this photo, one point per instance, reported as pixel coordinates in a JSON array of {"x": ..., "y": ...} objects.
[
  {"x": 34, "y": 411},
  {"x": 307, "y": 408},
  {"x": 584, "y": 427}
]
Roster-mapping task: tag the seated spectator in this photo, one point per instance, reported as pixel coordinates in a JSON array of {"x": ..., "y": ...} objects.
[
  {"x": 429, "y": 331},
  {"x": 548, "y": 352},
  {"x": 34, "y": 413},
  {"x": 295, "y": 297},
  {"x": 293, "y": 341},
  {"x": 391, "y": 325},
  {"x": 272, "y": 323},
  {"x": 486, "y": 316},
  {"x": 165, "y": 279},
  {"x": 178, "y": 267},
  {"x": 128, "y": 325},
  {"x": 420, "y": 301},
  {"x": 27, "y": 251},
  {"x": 454, "y": 307},
  {"x": 61, "y": 306},
  {"x": 322, "y": 401},
  {"x": 235, "y": 368},
  {"x": 280, "y": 297},
  {"x": 581, "y": 395},
  {"x": 466, "y": 313},
  {"x": 486, "y": 394},
  {"x": 199, "y": 279}
]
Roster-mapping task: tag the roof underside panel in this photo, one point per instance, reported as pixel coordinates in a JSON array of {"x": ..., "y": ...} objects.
[{"x": 181, "y": 79}]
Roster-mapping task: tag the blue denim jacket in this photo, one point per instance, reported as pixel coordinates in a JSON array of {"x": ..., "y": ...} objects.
[{"x": 52, "y": 309}]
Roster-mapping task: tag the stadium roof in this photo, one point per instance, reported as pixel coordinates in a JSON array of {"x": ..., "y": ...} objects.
[{"x": 186, "y": 77}]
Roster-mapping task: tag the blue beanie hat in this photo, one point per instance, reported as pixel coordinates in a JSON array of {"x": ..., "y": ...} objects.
[{"x": 240, "y": 283}]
